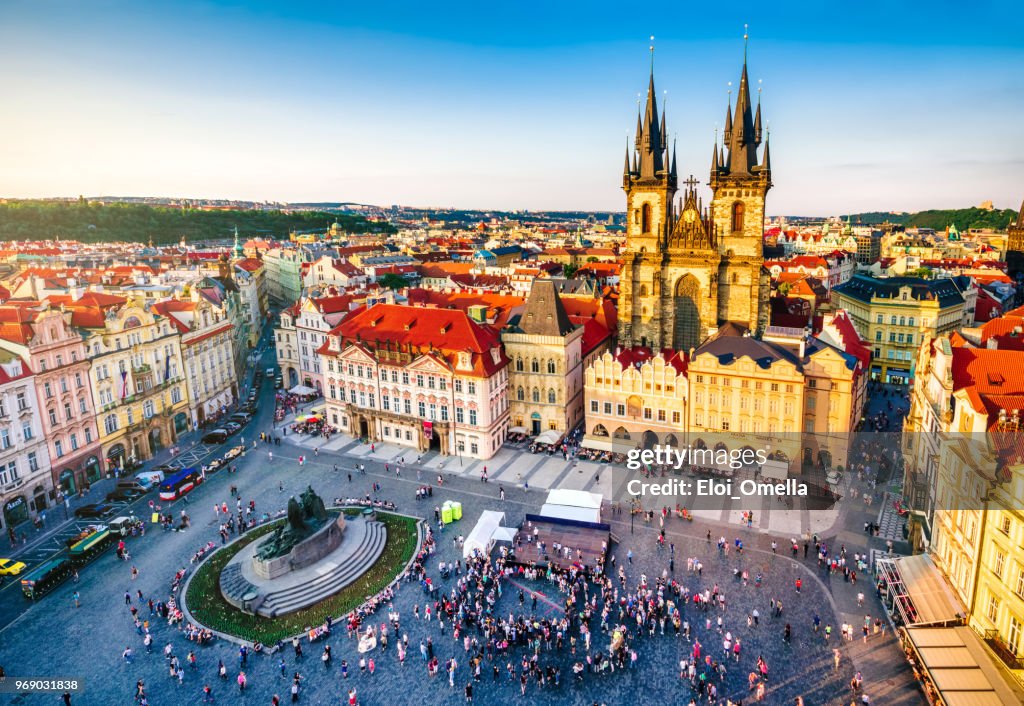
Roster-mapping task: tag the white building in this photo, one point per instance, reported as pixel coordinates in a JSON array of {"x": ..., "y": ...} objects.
[
  {"x": 26, "y": 484},
  {"x": 418, "y": 377}
]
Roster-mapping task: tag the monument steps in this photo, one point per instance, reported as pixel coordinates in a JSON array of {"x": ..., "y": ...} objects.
[{"x": 370, "y": 548}]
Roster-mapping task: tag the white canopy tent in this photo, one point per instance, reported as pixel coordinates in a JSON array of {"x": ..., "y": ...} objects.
[
  {"x": 576, "y": 505},
  {"x": 302, "y": 390},
  {"x": 483, "y": 536},
  {"x": 549, "y": 437}
]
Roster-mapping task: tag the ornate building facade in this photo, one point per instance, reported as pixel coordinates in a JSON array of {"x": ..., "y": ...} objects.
[
  {"x": 688, "y": 269},
  {"x": 546, "y": 378}
]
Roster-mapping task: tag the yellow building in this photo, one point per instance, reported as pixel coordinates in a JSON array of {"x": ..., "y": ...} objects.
[
  {"x": 798, "y": 395},
  {"x": 965, "y": 443},
  {"x": 139, "y": 393},
  {"x": 896, "y": 315},
  {"x": 635, "y": 398}
]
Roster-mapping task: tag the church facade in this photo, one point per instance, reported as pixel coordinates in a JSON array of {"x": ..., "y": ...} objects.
[{"x": 689, "y": 269}]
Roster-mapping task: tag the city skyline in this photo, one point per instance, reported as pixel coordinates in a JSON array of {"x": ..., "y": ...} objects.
[{"x": 315, "y": 103}]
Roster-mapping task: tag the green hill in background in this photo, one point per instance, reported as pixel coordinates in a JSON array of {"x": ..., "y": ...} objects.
[
  {"x": 962, "y": 218},
  {"x": 93, "y": 222}
]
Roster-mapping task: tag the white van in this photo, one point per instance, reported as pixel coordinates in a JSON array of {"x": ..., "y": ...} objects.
[{"x": 150, "y": 479}]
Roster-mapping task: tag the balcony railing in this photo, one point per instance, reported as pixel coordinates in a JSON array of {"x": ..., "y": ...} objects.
[{"x": 1002, "y": 650}]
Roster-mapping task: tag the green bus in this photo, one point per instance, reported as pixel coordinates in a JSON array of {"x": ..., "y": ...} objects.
[
  {"x": 89, "y": 547},
  {"x": 46, "y": 576}
]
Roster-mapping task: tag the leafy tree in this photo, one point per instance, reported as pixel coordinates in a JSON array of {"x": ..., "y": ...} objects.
[
  {"x": 131, "y": 222},
  {"x": 592, "y": 259},
  {"x": 569, "y": 270},
  {"x": 922, "y": 272},
  {"x": 393, "y": 281}
]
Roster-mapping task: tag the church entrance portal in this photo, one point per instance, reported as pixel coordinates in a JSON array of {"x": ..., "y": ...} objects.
[{"x": 686, "y": 334}]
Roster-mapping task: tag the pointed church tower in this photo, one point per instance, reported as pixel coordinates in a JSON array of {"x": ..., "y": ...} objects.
[
  {"x": 650, "y": 188},
  {"x": 740, "y": 183},
  {"x": 1015, "y": 247}
]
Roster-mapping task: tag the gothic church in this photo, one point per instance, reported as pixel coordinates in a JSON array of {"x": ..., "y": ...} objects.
[{"x": 687, "y": 269}]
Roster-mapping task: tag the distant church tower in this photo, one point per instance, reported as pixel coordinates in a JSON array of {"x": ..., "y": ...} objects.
[
  {"x": 1015, "y": 246},
  {"x": 740, "y": 183},
  {"x": 686, "y": 269}
]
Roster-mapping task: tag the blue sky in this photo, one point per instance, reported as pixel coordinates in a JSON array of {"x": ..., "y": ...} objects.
[{"x": 890, "y": 105}]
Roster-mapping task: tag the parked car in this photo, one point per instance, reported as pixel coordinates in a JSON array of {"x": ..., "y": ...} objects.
[
  {"x": 94, "y": 511},
  {"x": 124, "y": 494},
  {"x": 278, "y": 383},
  {"x": 10, "y": 567},
  {"x": 232, "y": 427},
  {"x": 240, "y": 418},
  {"x": 217, "y": 436}
]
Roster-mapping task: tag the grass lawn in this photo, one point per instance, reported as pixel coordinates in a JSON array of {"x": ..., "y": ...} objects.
[{"x": 209, "y": 608}]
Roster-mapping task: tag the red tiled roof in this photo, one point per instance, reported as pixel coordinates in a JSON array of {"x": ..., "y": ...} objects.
[
  {"x": 638, "y": 355},
  {"x": 993, "y": 379},
  {"x": 447, "y": 332},
  {"x": 249, "y": 264},
  {"x": 852, "y": 342}
]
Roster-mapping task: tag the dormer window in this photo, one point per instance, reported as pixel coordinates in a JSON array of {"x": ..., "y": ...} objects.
[{"x": 465, "y": 360}]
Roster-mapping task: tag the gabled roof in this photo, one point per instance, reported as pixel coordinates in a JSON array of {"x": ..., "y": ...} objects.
[{"x": 443, "y": 332}]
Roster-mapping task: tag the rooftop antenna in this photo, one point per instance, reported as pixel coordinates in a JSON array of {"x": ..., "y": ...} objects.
[
  {"x": 746, "y": 39},
  {"x": 652, "y": 53}
]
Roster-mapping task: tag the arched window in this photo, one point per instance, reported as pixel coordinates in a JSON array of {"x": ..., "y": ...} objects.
[
  {"x": 536, "y": 395},
  {"x": 551, "y": 367},
  {"x": 643, "y": 290},
  {"x": 735, "y": 278},
  {"x": 520, "y": 394},
  {"x": 599, "y": 430},
  {"x": 519, "y": 364},
  {"x": 645, "y": 218},
  {"x": 534, "y": 366},
  {"x": 910, "y": 321},
  {"x": 551, "y": 396},
  {"x": 737, "y": 216}
]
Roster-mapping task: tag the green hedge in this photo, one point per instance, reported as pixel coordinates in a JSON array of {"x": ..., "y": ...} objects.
[{"x": 208, "y": 607}]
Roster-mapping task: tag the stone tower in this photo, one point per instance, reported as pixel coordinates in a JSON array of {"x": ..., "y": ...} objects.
[
  {"x": 740, "y": 183},
  {"x": 1015, "y": 245},
  {"x": 649, "y": 180}
]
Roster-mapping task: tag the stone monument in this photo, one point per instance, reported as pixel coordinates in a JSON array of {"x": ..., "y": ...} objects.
[{"x": 309, "y": 534}]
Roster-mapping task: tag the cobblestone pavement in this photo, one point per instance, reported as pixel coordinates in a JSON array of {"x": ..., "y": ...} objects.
[{"x": 53, "y": 638}]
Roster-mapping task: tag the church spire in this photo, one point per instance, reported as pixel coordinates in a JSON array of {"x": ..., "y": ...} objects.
[
  {"x": 757, "y": 120},
  {"x": 650, "y": 142},
  {"x": 742, "y": 134},
  {"x": 766, "y": 163},
  {"x": 626, "y": 174}
]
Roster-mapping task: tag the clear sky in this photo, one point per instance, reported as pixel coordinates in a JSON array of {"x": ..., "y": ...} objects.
[{"x": 889, "y": 105}]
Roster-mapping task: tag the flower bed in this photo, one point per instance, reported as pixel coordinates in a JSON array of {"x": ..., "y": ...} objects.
[{"x": 209, "y": 608}]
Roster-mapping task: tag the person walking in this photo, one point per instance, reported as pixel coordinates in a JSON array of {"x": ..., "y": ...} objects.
[{"x": 241, "y": 682}]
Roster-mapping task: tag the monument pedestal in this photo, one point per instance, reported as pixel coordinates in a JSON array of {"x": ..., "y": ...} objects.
[{"x": 306, "y": 553}]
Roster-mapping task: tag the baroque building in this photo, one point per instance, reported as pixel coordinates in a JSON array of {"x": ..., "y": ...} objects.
[{"x": 687, "y": 269}]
